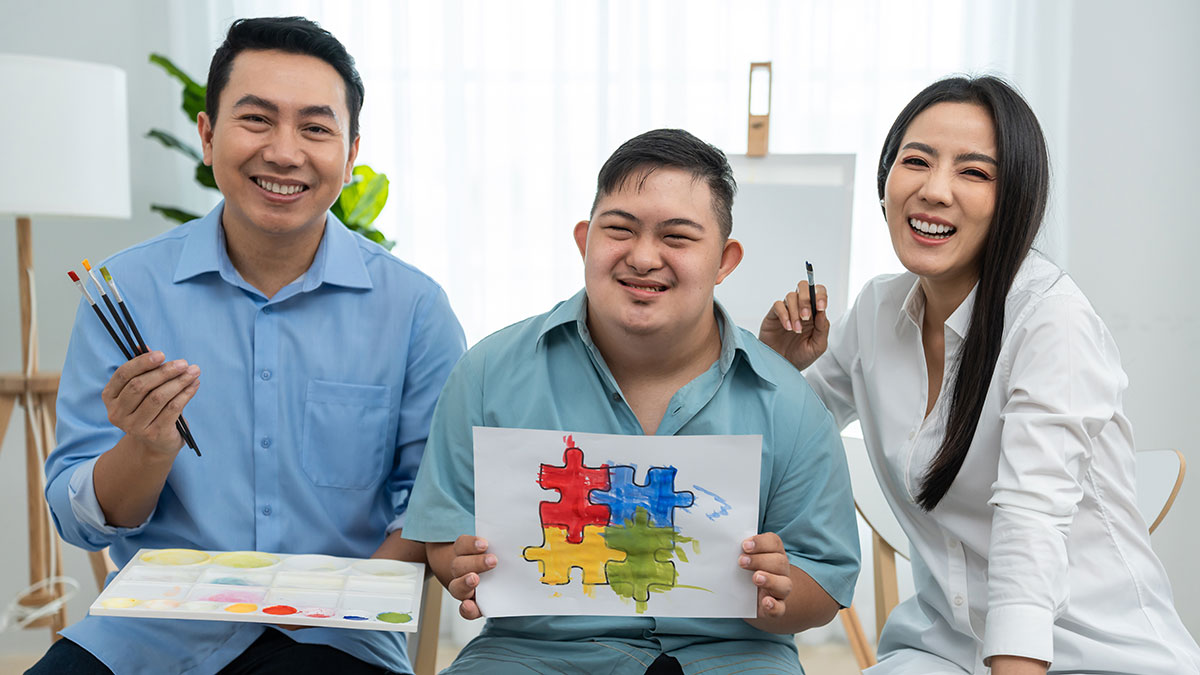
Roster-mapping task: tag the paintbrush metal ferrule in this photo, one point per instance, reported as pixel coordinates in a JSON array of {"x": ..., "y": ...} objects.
[
  {"x": 95, "y": 278},
  {"x": 112, "y": 284},
  {"x": 82, "y": 289}
]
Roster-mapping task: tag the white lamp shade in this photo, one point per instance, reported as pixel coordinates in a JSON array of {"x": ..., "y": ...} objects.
[{"x": 64, "y": 138}]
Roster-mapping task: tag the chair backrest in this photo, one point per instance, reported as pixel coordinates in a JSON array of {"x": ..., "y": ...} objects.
[{"x": 1159, "y": 476}]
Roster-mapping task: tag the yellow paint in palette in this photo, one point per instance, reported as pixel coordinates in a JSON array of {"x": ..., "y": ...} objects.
[
  {"x": 119, "y": 603},
  {"x": 175, "y": 556},
  {"x": 245, "y": 559},
  {"x": 242, "y": 608}
]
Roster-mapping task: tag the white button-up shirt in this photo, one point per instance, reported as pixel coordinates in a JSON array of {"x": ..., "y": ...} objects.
[{"x": 1037, "y": 549}]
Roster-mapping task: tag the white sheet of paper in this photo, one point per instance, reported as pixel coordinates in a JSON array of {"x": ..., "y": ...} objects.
[{"x": 717, "y": 476}]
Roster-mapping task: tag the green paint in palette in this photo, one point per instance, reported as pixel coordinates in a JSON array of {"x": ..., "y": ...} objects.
[{"x": 394, "y": 617}]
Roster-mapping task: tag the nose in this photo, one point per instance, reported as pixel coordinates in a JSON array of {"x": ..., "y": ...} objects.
[
  {"x": 937, "y": 187},
  {"x": 283, "y": 149},
  {"x": 643, "y": 256}
]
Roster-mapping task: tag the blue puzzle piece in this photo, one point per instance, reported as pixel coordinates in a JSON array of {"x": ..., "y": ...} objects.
[{"x": 658, "y": 496}]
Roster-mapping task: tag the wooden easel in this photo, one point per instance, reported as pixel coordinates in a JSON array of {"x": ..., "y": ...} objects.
[{"x": 36, "y": 392}]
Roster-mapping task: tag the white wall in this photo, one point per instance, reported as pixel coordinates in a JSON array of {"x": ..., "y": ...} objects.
[
  {"x": 121, "y": 34},
  {"x": 1134, "y": 154}
]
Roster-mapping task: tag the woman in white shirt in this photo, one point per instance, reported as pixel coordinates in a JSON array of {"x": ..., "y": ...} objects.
[{"x": 990, "y": 396}]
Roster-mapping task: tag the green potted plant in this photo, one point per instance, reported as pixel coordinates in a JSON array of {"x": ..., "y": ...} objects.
[{"x": 359, "y": 204}]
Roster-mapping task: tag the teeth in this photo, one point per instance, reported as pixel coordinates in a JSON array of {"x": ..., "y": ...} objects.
[
  {"x": 930, "y": 228},
  {"x": 279, "y": 189}
]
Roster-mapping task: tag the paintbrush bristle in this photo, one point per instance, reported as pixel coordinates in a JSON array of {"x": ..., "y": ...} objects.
[
  {"x": 105, "y": 274},
  {"x": 74, "y": 277},
  {"x": 87, "y": 265}
]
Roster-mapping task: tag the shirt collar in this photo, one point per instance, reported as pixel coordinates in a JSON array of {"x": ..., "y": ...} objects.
[
  {"x": 574, "y": 310},
  {"x": 338, "y": 261},
  {"x": 913, "y": 309}
]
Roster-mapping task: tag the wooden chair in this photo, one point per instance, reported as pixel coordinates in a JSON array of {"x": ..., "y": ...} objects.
[
  {"x": 1160, "y": 475},
  {"x": 422, "y": 645}
]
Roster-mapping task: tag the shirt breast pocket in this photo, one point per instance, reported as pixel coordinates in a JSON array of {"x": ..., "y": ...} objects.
[{"x": 346, "y": 427}]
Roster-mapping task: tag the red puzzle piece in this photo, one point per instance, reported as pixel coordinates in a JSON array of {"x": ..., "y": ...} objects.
[{"x": 574, "y": 482}]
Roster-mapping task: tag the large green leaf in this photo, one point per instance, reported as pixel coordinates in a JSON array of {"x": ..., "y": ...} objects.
[
  {"x": 365, "y": 196},
  {"x": 178, "y": 215},
  {"x": 193, "y": 92},
  {"x": 170, "y": 141}
]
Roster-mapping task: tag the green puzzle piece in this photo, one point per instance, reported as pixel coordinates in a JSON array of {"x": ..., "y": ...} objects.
[{"x": 647, "y": 566}]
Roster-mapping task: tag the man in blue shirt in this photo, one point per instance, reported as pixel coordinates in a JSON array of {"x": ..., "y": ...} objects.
[
  {"x": 644, "y": 349},
  {"x": 322, "y": 356}
]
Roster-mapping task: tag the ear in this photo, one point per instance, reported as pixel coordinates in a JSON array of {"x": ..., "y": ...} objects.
[
  {"x": 581, "y": 231},
  {"x": 730, "y": 258},
  {"x": 205, "y": 127},
  {"x": 350, "y": 160}
]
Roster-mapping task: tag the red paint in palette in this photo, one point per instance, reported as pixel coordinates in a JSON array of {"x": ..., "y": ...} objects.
[{"x": 280, "y": 610}]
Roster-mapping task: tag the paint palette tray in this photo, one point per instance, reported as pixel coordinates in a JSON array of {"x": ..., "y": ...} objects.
[{"x": 276, "y": 588}]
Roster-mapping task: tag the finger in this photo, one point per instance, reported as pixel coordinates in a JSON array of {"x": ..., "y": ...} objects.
[
  {"x": 156, "y": 401},
  {"x": 806, "y": 308},
  {"x": 776, "y": 585},
  {"x": 769, "y": 605},
  {"x": 792, "y": 301},
  {"x": 463, "y": 588},
  {"x": 780, "y": 311},
  {"x": 463, "y": 565},
  {"x": 469, "y": 545},
  {"x": 129, "y": 370},
  {"x": 822, "y": 298},
  {"x": 138, "y": 387},
  {"x": 766, "y": 542},
  {"x": 469, "y": 610},
  {"x": 165, "y": 421}
]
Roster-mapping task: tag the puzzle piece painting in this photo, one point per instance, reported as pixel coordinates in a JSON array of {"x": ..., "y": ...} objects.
[{"x": 607, "y": 524}]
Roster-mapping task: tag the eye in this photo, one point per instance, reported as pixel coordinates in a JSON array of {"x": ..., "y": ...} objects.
[
  {"x": 314, "y": 129},
  {"x": 977, "y": 173},
  {"x": 259, "y": 119},
  {"x": 618, "y": 231},
  {"x": 915, "y": 161}
]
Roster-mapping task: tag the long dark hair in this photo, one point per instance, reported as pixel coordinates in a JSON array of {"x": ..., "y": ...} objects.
[{"x": 1022, "y": 189}]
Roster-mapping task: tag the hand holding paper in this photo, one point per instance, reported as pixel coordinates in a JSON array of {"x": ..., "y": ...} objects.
[
  {"x": 470, "y": 558},
  {"x": 764, "y": 555}
]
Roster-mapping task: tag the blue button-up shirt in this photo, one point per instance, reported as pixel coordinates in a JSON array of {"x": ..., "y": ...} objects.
[
  {"x": 312, "y": 414},
  {"x": 546, "y": 373}
]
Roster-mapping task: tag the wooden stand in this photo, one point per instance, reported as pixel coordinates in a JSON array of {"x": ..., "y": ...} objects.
[
  {"x": 36, "y": 392},
  {"x": 758, "y": 126}
]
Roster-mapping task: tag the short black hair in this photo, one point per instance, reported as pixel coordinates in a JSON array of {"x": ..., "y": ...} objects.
[
  {"x": 292, "y": 34},
  {"x": 675, "y": 148}
]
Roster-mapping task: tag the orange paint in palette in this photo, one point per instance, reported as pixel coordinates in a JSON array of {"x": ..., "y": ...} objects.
[{"x": 254, "y": 586}]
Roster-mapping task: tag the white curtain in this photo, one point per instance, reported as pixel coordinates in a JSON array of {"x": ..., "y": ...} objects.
[{"x": 492, "y": 118}]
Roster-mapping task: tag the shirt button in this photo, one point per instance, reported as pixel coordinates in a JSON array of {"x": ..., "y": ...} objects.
[
  {"x": 266, "y": 375},
  {"x": 958, "y": 601},
  {"x": 951, "y": 544},
  {"x": 912, "y": 435},
  {"x": 267, "y": 310},
  {"x": 616, "y": 396},
  {"x": 266, "y": 442},
  {"x": 266, "y": 511}
]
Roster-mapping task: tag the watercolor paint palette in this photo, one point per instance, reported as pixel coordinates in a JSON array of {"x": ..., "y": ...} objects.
[{"x": 301, "y": 590}]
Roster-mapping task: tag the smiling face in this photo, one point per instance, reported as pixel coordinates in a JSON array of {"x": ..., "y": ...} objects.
[
  {"x": 652, "y": 254},
  {"x": 941, "y": 193},
  {"x": 280, "y": 147}
]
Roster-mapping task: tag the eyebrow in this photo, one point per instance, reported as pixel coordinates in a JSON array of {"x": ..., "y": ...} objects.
[
  {"x": 961, "y": 157},
  {"x": 306, "y": 111},
  {"x": 666, "y": 223}
]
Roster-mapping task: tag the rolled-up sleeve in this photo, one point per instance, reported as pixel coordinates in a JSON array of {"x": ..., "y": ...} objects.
[
  {"x": 437, "y": 344},
  {"x": 1064, "y": 383}
]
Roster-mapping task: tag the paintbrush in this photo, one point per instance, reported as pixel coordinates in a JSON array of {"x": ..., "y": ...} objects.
[
  {"x": 185, "y": 431},
  {"x": 180, "y": 425}
]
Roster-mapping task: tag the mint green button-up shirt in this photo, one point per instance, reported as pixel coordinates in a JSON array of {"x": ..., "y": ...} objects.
[{"x": 546, "y": 373}]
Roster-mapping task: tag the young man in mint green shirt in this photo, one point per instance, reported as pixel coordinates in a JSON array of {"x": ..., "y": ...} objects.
[{"x": 645, "y": 349}]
